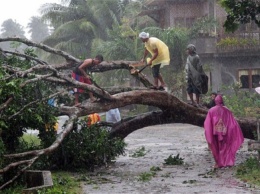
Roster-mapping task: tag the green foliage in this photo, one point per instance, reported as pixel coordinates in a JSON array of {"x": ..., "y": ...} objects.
[
  {"x": 249, "y": 166},
  {"x": 140, "y": 152},
  {"x": 203, "y": 26},
  {"x": 146, "y": 176},
  {"x": 82, "y": 22},
  {"x": 176, "y": 160},
  {"x": 12, "y": 28},
  {"x": 155, "y": 168},
  {"x": 241, "y": 103},
  {"x": 237, "y": 42},
  {"x": 15, "y": 189},
  {"x": 63, "y": 183},
  {"x": 26, "y": 108},
  {"x": 28, "y": 142},
  {"x": 87, "y": 148},
  {"x": 249, "y": 171},
  {"x": 240, "y": 12},
  {"x": 38, "y": 29},
  {"x": 25, "y": 101}
]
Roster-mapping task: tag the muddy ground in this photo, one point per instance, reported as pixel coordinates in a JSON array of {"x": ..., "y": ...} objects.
[{"x": 126, "y": 174}]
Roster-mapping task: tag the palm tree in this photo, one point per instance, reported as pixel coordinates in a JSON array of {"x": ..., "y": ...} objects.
[
  {"x": 38, "y": 29},
  {"x": 123, "y": 42},
  {"x": 78, "y": 23},
  {"x": 12, "y": 28}
]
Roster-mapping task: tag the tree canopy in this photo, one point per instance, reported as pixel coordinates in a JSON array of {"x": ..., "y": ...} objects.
[
  {"x": 39, "y": 30},
  {"x": 27, "y": 83},
  {"x": 241, "y": 12}
]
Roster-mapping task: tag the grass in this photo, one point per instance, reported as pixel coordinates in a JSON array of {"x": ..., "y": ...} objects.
[
  {"x": 140, "y": 152},
  {"x": 146, "y": 176},
  {"x": 63, "y": 183},
  {"x": 31, "y": 139},
  {"x": 249, "y": 171}
]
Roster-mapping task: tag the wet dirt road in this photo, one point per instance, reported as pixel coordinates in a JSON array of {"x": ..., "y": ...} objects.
[{"x": 195, "y": 176}]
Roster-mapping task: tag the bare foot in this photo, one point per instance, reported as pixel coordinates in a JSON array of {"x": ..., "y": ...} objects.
[
  {"x": 215, "y": 166},
  {"x": 163, "y": 85}
]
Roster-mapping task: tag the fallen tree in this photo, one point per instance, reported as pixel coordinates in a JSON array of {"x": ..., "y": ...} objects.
[{"x": 171, "y": 109}]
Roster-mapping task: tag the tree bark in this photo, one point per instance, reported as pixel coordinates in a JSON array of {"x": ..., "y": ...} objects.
[{"x": 172, "y": 109}]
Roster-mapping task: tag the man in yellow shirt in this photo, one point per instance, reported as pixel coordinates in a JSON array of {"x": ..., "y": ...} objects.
[{"x": 160, "y": 57}]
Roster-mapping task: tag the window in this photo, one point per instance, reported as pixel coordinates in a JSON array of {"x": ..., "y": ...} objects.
[
  {"x": 249, "y": 78},
  {"x": 184, "y": 22},
  {"x": 180, "y": 22},
  {"x": 255, "y": 78}
]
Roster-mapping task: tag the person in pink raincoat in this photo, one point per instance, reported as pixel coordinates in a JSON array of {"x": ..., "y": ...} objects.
[{"x": 223, "y": 134}]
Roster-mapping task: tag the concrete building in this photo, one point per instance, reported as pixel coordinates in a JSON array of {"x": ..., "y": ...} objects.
[{"x": 233, "y": 57}]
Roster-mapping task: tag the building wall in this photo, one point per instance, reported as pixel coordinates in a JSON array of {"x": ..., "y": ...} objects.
[
  {"x": 231, "y": 65},
  {"x": 205, "y": 44},
  {"x": 224, "y": 64},
  {"x": 185, "y": 11},
  {"x": 224, "y": 69}
]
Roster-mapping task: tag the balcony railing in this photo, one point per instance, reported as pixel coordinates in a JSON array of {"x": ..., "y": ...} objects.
[
  {"x": 246, "y": 42},
  {"x": 238, "y": 48}
]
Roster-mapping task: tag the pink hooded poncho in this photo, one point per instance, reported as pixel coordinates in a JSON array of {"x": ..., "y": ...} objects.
[{"x": 223, "y": 134}]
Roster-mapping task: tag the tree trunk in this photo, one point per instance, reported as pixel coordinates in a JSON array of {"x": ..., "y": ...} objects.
[{"x": 172, "y": 110}]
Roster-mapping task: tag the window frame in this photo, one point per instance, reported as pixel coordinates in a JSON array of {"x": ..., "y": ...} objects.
[{"x": 250, "y": 78}]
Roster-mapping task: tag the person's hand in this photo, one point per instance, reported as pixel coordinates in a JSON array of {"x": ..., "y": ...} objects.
[
  {"x": 87, "y": 76},
  {"x": 149, "y": 63}
]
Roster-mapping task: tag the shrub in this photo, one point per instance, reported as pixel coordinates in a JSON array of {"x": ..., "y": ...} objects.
[
  {"x": 87, "y": 148},
  {"x": 241, "y": 103},
  {"x": 176, "y": 160}
]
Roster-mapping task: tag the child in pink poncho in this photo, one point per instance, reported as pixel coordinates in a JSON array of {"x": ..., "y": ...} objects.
[{"x": 223, "y": 134}]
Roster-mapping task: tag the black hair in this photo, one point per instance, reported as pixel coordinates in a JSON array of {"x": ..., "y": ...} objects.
[
  {"x": 100, "y": 58},
  {"x": 214, "y": 93}
]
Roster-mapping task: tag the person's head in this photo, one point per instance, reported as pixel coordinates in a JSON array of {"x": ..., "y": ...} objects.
[
  {"x": 191, "y": 49},
  {"x": 219, "y": 100},
  {"x": 144, "y": 36},
  {"x": 213, "y": 95},
  {"x": 98, "y": 59}
]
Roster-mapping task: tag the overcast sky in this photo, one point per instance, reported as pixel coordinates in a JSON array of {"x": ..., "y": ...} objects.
[{"x": 21, "y": 10}]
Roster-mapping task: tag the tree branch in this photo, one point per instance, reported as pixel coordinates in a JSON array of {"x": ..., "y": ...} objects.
[{"x": 43, "y": 47}]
